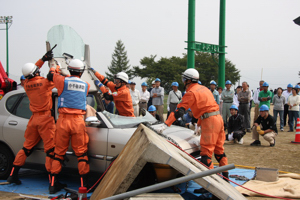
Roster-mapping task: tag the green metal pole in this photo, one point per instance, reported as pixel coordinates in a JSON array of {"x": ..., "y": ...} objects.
[
  {"x": 7, "y": 47},
  {"x": 221, "y": 79},
  {"x": 191, "y": 35}
]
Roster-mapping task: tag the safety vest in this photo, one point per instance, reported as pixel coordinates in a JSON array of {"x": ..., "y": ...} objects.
[{"x": 74, "y": 94}]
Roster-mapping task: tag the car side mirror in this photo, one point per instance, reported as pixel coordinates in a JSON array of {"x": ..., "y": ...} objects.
[{"x": 92, "y": 121}]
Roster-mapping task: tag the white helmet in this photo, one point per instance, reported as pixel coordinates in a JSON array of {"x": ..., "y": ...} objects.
[
  {"x": 123, "y": 76},
  {"x": 190, "y": 74},
  {"x": 76, "y": 65},
  {"x": 29, "y": 70}
]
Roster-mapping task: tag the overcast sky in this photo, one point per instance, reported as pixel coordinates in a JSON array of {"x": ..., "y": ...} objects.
[{"x": 260, "y": 34}]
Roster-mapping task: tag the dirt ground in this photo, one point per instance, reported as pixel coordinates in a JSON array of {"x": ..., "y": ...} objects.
[{"x": 284, "y": 156}]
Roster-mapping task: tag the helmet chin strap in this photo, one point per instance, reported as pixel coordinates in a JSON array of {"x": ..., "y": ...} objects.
[{"x": 186, "y": 85}]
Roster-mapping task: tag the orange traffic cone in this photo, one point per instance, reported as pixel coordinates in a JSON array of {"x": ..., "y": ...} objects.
[{"x": 297, "y": 136}]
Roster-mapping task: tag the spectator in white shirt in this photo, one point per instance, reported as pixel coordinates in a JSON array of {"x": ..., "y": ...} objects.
[
  {"x": 135, "y": 96},
  {"x": 235, "y": 97},
  {"x": 293, "y": 103},
  {"x": 174, "y": 97},
  {"x": 220, "y": 90},
  {"x": 286, "y": 94},
  {"x": 145, "y": 96},
  {"x": 256, "y": 101}
]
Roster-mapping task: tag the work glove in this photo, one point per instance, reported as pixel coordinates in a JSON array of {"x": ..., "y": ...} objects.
[
  {"x": 168, "y": 108},
  {"x": 230, "y": 136},
  {"x": 98, "y": 83},
  {"x": 259, "y": 131},
  {"x": 48, "y": 56},
  {"x": 197, "y": 130},
  {"x": 161, "y": 128},
  {"x": 92, "y": 69}
]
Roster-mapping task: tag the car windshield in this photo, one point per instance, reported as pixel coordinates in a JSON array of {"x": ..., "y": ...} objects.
[
  {"x": 119, "y": 121},
  {"x": 67, "y": 40}
]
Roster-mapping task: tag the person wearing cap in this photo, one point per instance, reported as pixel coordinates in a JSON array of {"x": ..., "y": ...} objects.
[
  {"x": 41, "y": 124},
  {"x": 135, "y": 96},
  {"x": 128, "y": 84},
  {"x": 174, "y": 97},
  {"x": 213, "y": 86},
  {"x": 149, "y": 90},
  {"x": 152, "y": 111},
  {"x": 145, "y": 96},
  {"x": 120, "y": 93},
  {"x": 278, "y": 102},
  {"x": 244, "y": 98},
  {"x": 227, "y": 97},
  {"x": 157, "y": 95},
  {"x": 236, "y": 129},
  {"x": 256, "y": 101},
  {"x": 286, "y": 94},
  {"x": 265, "y": 95},
  {"x": 293, "y": 103},
  {"x": 22, "y": 81},
  {"x": 72, "y": 97},
  {"x": 265, "y": 126},
  {"x": 205, "y": 109},
  {"x": 189, "y": 120}
]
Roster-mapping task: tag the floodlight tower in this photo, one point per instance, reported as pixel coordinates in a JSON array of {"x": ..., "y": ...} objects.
[{"x": 8, "y": 21}]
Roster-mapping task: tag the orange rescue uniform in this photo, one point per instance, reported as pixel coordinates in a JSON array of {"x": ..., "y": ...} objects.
[
  {"x": 200, "y": 100},
  {"x": 121, "y": 96},
  {"x": 70, "y": 124},
  {"x": 41, "y": 124}
]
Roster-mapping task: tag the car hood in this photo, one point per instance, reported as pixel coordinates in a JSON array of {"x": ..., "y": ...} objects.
[{"x": 184, "y": 137}]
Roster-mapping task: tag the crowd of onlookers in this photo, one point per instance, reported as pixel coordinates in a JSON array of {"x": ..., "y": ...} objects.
[{"x": 235, "y": 107}]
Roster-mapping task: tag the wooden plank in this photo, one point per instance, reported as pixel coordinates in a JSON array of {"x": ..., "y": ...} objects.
[{"x": 146, "y": 146}]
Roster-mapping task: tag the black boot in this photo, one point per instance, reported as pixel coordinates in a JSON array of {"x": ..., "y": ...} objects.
[
  {"x": 225, "y": 176},
  {"x": 55, "y": 185},
  {"x": 84, "y": 181},
  {"x": 14, "y": 178},
  {"x": 200, "y": 191}
]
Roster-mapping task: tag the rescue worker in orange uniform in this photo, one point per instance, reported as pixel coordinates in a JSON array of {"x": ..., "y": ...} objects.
[
  {"x": 204, "y": 107},
  {"x": 120, "y": 93},
  {"x": 41, "y": 124},
  {"x": 72, "y": 92}
]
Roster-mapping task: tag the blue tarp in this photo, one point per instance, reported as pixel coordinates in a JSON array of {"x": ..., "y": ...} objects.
[{"x": 36, "y": 183}]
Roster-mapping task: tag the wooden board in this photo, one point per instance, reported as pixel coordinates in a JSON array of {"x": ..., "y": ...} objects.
[{"x": 146, "y": 146}]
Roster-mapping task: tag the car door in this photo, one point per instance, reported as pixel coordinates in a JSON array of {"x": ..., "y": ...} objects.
[{"x": 15, "y": 125}]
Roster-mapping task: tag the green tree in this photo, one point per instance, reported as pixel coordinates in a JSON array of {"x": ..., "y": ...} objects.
[
  {"x": 119, "y": 63},
  {"x": 169, "y": 69},
  {"x": 208, "y": 68}
]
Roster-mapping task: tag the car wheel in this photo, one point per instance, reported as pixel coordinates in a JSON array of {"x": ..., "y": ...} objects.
[
  {"x": 146, "y": 177},
  {"x": 6, "y": 162}
]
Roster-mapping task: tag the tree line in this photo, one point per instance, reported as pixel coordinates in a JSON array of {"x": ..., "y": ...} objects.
[{"x": 169, "y": 69}]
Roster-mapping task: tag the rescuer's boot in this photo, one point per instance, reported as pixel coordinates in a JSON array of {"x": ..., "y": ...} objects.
[
  {"x": 55, "y": 185},
  {"x": 225, "y": 176},
  {"x": 14, "y": 178}
]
